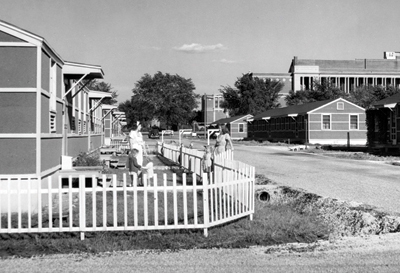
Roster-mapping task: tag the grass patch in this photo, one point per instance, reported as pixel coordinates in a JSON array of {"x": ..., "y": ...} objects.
[
  {"x": 252, "y": 142},
  {"x": 354, "y": 155},
  {"x": 272, "y": 224}
]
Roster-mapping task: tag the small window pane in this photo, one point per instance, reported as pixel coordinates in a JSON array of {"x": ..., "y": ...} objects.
[
  {"x": 326, "y": 122},
  {"x": 354, "y": 122}
]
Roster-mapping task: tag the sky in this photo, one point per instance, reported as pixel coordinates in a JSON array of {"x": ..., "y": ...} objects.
[{"x": 212, "y": 42}]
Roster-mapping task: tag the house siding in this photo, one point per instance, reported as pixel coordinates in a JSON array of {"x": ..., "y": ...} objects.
[
  {"x": 51, "y": 152},
  {"x": 45, "y": 114},
  {"x": 234, "y": 129},
  {"x": 45, "y": 72},
  {"x": 5, "y": 37},
  {"x": 17, "y": 113},
  {"x": 95, "y": 141},
  {"x": 77, "y": 144},
  {"x": 332, "y": 108},
  {"x": 59, "y": 82},
  {"x": 18, "y": 156},
  {"x": 18, "y": 67},
  {"x": 59, "y": 118}
]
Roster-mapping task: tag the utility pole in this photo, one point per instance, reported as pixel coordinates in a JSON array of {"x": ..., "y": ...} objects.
[{"x": 205, "y": 115}]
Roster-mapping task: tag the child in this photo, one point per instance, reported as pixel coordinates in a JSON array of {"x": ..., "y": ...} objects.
[
  {"x": 134, "y": 166},
  {"x": 206, "y": 161}
]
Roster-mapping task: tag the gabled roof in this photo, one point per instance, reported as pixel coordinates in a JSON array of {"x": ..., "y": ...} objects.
[
  {"x": 388, "y": 102},
  {"x": 233, "y": 119},
  {"x": 73, "y": 69},
  {"x": 299, "y": 109},
  {"x": 29, "y": 37}
]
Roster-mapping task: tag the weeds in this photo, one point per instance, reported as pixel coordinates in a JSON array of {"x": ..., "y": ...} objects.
[{"x": 85, "y": 159}]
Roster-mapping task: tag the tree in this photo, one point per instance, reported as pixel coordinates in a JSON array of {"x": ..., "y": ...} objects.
[
  {"x": 105, "y": 87},
  {"x": 168, "y": 98},
  {"x": 251, "y": 95},
  {"x": 366, "y": 96},
  {"x": 324, "y": 90}
]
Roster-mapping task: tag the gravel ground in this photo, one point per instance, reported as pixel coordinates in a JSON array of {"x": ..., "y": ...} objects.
[
  {"x": 369, "y": 182},
  {"x": 369, "y": 254}
]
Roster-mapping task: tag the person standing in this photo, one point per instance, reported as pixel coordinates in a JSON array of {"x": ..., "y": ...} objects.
[
  {"x": 206, "y": 161},
  {"x": 134, "y": 167},
  {"x": 223, "y": 139},
  {"x": 136, "y": 141}
]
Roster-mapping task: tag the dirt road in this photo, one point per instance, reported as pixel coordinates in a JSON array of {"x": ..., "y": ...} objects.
[{"x": 372, "y": 183}]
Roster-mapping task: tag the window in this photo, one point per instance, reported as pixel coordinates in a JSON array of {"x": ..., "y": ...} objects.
[
  {"x": 340, "y": 106},
  {"x": 84, "y": 127},
  {"x": 73, "y": 124},
  {"x": 326, "y": 122},
  {"x": 241, "y": 127},
  {"x": 52, "y": 123},
  {"x": 353, "y": 122},
  {"x": 79, "y": 127}
]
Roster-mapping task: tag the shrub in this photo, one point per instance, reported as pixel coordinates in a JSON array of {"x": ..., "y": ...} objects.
[{"x": 84, "y": 159}]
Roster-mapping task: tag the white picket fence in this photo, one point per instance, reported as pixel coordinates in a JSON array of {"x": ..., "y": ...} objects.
[
  {"x": 79, "y": 204},
  {"x": 226, "y": 172}
]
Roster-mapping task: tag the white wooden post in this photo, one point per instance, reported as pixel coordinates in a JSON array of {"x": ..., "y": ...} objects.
[
  {"x": 205, "y": 205},
  {"x": 82, "y": 207}
]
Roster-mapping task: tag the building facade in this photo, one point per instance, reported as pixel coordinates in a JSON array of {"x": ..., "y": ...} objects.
[
  {"x": 211, "y": 106},
  {"x": 386, "y": 121},
  {"x": 323, "y": 122},
  {"x": 344, "y": 74},
  {"x": 46, "y": 112}
]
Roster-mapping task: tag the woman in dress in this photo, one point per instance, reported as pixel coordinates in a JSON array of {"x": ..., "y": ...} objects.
[
  {"x": 223, "y": 139},
  {"x": 136, "y": 141}
]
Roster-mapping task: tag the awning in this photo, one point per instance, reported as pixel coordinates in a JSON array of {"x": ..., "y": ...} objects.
[
  {"x": 77, "y": 70},
  {"x": 98, "y": 95},
  {"x": 81, "y": 72},
  {"x": 93, "y": 94},
  {"x": 391, "y": 105}
]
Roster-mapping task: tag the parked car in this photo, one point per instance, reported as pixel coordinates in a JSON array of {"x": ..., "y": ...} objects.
[
  {"x": 167, "y": 132},
  {"x": 154, "y": 133}
]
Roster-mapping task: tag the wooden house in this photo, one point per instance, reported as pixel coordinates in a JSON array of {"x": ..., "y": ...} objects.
[
  {"x": 46, "y": 112},
  {"x": 324, "y": 122},
  {"x": 385, "y": 121},
  {"x": 237, "y": 125}
]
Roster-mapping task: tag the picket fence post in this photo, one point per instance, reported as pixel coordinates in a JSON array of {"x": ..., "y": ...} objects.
[{"x": 205, "y": 205}]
